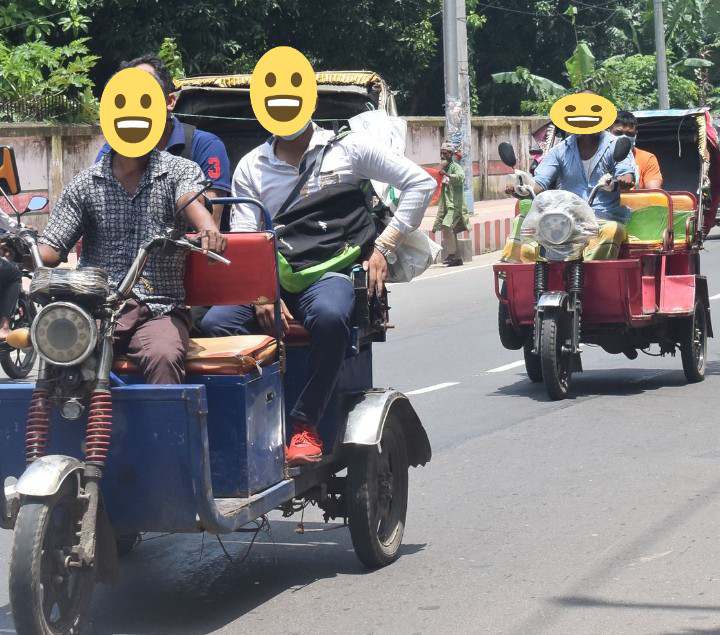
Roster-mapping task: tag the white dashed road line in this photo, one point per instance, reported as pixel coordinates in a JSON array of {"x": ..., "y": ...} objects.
[
  {"x": 500, "y": 369},
  {"x": 421, "y": 391},
  {"x": 715, "y": 297}
]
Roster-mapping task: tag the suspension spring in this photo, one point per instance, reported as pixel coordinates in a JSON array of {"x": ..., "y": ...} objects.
[
  {"x": 541, "y": 272},
  {"x": 577, "y": 278},
  {"x": 99, "y": 427},
  {"x": 38, "y": 425}
]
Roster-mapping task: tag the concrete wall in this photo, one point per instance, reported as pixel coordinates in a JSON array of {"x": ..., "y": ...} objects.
[{"x": 48, "y": 156}]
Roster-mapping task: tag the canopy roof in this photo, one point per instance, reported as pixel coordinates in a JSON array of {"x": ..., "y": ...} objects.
[{"x": 365, "y": 79}]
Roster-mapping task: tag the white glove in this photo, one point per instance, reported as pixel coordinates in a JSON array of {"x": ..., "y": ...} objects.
[{"x": 607, "y": 182}]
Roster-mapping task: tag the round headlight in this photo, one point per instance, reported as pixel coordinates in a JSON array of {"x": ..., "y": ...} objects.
[
  {"x": 555, "y": 228},
  {"x": 63, "y": 334}
]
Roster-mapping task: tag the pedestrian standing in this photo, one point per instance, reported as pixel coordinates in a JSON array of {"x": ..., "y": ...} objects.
[{"x": 452, "y": 217}]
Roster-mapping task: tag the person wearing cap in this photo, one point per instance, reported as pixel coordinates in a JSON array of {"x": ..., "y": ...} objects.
[{"x": 452, "y": 216}]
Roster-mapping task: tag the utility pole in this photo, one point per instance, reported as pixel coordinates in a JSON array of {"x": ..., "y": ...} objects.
[
  {"x": 660, "y": 58},
  {"x": 457, "y": 91}
]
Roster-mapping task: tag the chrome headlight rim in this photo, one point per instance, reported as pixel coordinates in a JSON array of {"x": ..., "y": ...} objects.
[
  {"x": 92, "y": 340},
  {"x": 542, "y": 236}
]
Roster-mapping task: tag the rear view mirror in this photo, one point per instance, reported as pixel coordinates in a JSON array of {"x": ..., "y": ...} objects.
[
  {"x": 36, "y": 204},
  {"x": 622, "y": 149},
  {"x": 9, "y": 179},
  {"x": 507, "y": 154}
]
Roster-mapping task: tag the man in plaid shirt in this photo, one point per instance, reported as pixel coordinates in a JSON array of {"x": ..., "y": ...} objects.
[{"x": 114, "y": 206}]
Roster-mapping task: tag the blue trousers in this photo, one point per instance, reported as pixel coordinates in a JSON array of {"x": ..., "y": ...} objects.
[{"x": 325, "y": 310}]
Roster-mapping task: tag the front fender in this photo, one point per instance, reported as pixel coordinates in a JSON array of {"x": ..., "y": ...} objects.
[
  {"x": 44, "y": 476},
  {"x": 368, "y": 414},
  {"x": 552, "y": 300}
]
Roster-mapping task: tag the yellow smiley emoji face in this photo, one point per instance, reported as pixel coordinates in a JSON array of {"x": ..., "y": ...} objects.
[
  {"x": 133, "y": 112},
  {"x": 283, "y": 91},
  {"x": 583, "y": 113}
]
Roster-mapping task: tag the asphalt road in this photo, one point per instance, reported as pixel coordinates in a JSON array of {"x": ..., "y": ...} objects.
[{"x": 599, "y": 514}]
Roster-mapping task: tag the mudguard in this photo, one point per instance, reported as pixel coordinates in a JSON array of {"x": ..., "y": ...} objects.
[
  {"x": 368, "y": 414},
  {"x": 701, "y": 290},
  {"x": 44, "y": 476},
  {"x": 552, "y": 300}
]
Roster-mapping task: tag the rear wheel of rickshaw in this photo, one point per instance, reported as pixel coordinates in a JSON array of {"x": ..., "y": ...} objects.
[
  {"x": 533, "y": 367},
  {"x": 554, "y": 362},
  {"x": 509, "y": 338},
  {"x": 377, "y": 494},
  {"x": 693, "y": 348},
  {"x": 48, "y": 597},
  {"x": 18, "y": 363}
]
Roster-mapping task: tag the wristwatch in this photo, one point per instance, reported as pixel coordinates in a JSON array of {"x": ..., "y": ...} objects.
[{"x": 387, "y": 253}]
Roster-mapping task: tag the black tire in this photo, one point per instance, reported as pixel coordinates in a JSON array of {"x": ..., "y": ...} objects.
[
  {"x": 44, "y": 533},
  {"x": 17, "y": 364},
  {"x": 693, "y": 348},
  {"x": 533, "y": 367},
  {"x": 509, "y": 338},
  {"x": 377, "y": 494},
  {"x": 554, "y": 363}
]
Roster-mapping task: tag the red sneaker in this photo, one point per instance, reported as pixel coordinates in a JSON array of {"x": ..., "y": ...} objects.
[{"x": 305, "y": 445}]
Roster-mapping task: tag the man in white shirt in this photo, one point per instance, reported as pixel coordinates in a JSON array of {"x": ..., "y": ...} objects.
[{"x": 269, "y": 173}]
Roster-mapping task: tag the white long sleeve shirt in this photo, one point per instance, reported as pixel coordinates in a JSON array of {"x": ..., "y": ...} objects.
[{"x": 351, "y": 159}]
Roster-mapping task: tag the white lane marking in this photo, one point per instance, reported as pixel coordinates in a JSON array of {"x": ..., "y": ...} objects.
[
  {"x": 715, "y": 297},
  {"x": 500, "y": 369},
  {"x": 421, "y": 391},
  {"x": 451, "y": 273}
]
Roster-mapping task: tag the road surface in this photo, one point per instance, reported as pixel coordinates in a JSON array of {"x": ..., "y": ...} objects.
[{"x": 599, "y": 514}]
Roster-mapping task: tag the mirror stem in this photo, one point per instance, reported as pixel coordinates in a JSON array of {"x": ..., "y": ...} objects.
[{"x": 7, "y": 198}]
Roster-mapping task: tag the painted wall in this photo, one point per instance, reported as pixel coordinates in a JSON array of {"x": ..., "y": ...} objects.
[{"x": 48, "y": 156}]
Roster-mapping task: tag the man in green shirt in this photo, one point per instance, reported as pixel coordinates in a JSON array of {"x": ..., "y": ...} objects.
[{"x": 452, "y": 217}]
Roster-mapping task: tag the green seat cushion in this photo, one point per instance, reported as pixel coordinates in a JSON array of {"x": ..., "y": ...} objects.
[{"x": 648, "y": 224}]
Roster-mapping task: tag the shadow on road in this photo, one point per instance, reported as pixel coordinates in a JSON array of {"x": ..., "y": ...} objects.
[
  {"x": 583, "y": 601},
  {"x": 606, "y": 382},
  {"x": 166, "y": 588}
]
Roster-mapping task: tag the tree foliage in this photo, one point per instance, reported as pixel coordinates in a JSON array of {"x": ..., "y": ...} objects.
[{"x": 552, "y": 45}]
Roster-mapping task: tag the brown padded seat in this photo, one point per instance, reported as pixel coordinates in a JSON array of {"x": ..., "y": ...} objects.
[{"x": 234, "y": 355}]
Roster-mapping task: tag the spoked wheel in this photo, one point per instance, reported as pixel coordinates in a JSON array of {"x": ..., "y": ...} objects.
[
  {"x": 377, "y": 493},
  {"x": 554, "y": 362},
  {"x": 533, "y": 366},
  {"x": 509, "y": 338},
  {"x": 18, "y": 363},
  {"x": 46, "y": 596},
  {"x": 693, "y": 349}
]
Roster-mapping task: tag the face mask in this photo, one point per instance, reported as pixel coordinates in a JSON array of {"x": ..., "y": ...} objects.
[{"x": 292, "y": 137}]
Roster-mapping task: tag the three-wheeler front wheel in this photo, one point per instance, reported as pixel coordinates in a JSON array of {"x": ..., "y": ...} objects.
[
  {"x": 693, "y": 348},
  {"x": 377, "y": 494},
  {"x": 47, "y": 597},
  {"x": 554, "y": 361}
]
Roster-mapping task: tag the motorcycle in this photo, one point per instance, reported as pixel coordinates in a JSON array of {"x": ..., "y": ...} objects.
[
  {"x": 562, "y": 223},
  {"x": 18, "y": 362}
]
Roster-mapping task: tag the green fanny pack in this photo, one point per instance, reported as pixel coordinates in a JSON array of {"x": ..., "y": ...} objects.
[{"x": 297, "y": 281}]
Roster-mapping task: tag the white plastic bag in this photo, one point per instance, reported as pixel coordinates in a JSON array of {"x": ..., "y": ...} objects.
[
  {"x": 565, "y": 214},
  {"x": 389, "y": 132},
  {"x": 414, "y": 255}
]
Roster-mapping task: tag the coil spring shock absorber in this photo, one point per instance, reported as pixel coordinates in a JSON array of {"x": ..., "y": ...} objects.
[
  {"x": 577, "y": 278},
  {"x": 99, "y": 427},
  {"x": 38, "y": 425},
  {"x": 541, "y": 273},
  {"x": 575, "y": 289}
]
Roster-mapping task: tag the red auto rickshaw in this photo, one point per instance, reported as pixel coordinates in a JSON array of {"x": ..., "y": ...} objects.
[{"x": 653, "y": 294}]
